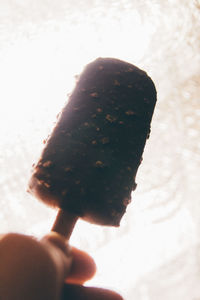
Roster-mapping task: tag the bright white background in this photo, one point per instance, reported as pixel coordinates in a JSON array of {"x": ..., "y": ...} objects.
[{"x": 155, "y": 254}]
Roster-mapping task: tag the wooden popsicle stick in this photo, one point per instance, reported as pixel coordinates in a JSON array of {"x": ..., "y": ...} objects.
[{"x": 64, "y": 223}]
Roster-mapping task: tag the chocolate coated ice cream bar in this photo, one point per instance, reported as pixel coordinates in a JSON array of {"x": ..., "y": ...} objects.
[{"x": 89, "y": 163}]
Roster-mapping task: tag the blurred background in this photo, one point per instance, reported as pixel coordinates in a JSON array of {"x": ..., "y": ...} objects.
[{"x": 44, "y": 44}]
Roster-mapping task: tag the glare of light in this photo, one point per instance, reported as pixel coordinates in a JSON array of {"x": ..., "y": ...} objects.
[{"x": 36, "y": 75}]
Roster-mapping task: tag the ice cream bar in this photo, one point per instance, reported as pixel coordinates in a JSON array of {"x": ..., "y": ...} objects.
[{"x": 89, "y": 163}]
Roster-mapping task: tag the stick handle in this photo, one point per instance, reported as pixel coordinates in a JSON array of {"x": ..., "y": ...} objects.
[{"x": 64, "y": 223}]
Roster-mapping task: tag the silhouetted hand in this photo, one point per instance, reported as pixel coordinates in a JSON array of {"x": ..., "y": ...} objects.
[{"x": 48, "y": 269}]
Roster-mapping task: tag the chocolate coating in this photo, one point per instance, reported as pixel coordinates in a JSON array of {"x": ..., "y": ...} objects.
[{"x": 90, "y": 161}]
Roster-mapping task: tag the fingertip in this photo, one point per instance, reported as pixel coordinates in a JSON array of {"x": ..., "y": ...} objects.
[
  {"x": 83, "y": 267},
  {"x": 59, "y": 241}
]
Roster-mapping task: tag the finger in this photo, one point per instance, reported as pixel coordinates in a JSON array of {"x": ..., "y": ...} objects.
[
  {"x": 60, "y": 252},
  {"x": 27, "y": 270},
  {"x": 83, "y": 267},
  {"x": 78, "y": 292},
  {"x": 59, "y": 241}
]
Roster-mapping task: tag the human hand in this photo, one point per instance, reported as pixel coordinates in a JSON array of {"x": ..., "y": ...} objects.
[{"x": 46, "y": 270}]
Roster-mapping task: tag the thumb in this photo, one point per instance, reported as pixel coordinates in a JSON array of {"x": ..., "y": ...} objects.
[{"x": 60, "y": 252}]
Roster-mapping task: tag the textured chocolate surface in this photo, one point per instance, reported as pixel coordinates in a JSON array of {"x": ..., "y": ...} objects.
[{"x": 89, "y": 163}]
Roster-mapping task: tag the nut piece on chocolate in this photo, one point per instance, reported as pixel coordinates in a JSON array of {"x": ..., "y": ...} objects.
[{"x": 90, "y": 161}]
